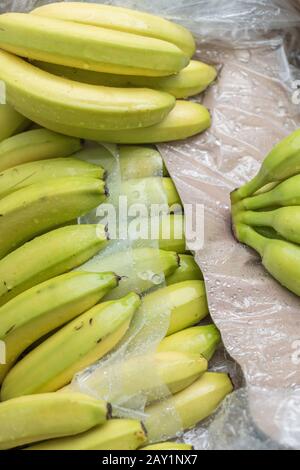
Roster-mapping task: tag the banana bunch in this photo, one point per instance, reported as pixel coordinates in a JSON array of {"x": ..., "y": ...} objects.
[{"x": 266, "y": 212}]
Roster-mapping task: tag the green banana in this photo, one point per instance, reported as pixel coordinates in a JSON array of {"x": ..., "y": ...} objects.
[
  {"x": 195, "y": 340},
  {"x": 38, "y": 144},
  {"x": 286, "y": 193},
  {"x": 172, "y": 370},
  {"x": 11, "y": 122},
  {"x": 106, "y": 50},
  {"x": 171, "y": 233},
  {"x": 185, "y": 120},
  {"x": 33, "y": 418},
  {"x": 21, "y": 176},
  {"x": 140, "y": 268},
  {"x": 192, "y": 405},
  {"x": 285, "y": 221},
  {"x": 186, "y": 300},
  {"x": 282, "y": 162},
  {"x": 188, "y": 270},
  {"x": 44, "y": 206},
  {"x": 47, "y": 256},
  {"x": 115, "y": 434},
  {"x": 77, "y": 345},
  {"x": 43, "y": 308},
  {"x": 151, "y": 190},
  {"x": 190, "y": 81},
  {"x": 121, "y": 19},
  {"x": 168, "y": 446},
  {"x": 280, "y": 258},
  {"x": 140, "y": 162},
  {"x": 78, "y": 104}
]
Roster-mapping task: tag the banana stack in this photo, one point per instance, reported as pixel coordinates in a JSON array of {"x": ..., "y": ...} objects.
[{"x": 266, "y": 212}]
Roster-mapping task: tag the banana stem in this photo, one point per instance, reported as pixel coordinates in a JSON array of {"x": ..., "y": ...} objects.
[
  {"x": 249, "y": 188},
  {"x": 250, "y": 237}
]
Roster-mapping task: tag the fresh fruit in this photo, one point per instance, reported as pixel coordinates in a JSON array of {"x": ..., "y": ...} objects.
[
  {"x": 282, "y": 162},
  {"x": 44, "y": 206},
  {"x": 151, "y": 190},
  {"x": 186, "y": 302},
  {"x": 280, "y": 258},
  {"x": 33, "y": 418},
  {"x": 11, "y": 122},
  {"x": 106, "y": 50},
  {"x": 190, "y": 81},
  {"x": 121, "y": 19},
  {"x": 80, "y": 343},
  {"x": 188, "y": 270},
  {"x": 38, "y": 144},
  {"x": 21, "y": 176},
  {"x": 78, "y": 104},
  {"x": 47, "y": 256},
  {"x": 46, "y": 306},
  {"x": 140, "y": 162},
  {"x": 171, "y": 233},
  {"x": 185, "y": 120},
  {"x": 192, "y": 405},
  {"x": 115, "y": 434},
  {"x": 168, "y": 446},
  {"x": 195, "y": 340},
  {"x": 154, "y": 375}
]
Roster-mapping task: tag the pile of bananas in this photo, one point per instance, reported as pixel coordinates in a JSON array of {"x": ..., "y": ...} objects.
[
  {"x": 57, "y": 317},
  {"x": 266, "y": 212},
  {"x": 102, "y": 73}
]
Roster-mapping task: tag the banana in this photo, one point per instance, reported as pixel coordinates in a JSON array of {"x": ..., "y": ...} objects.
[
  {"x": 38, "y": 144},
  {"x": 44, "y": 206},
  {"x": 185, "y": 120},
  {"x": 43, "y": 308},
  {"x": 171, "y": 233},
  {"x": 186, "y": 301},
  {"x": 121, "y": 19},
  {"x": 115, "y": 434},
  {"x": 195, "y": 340},
  {"x": 140, "y": 162},
  {"x": 11, "y": 122},
  {"x": 188, "y": 270},
  {"x": 168, "y": 446},
  {"x": 192, "y": 405},
  {"x": 106, "y": 50},
  {"x": 172, "y": 370},
  {"x": 140, "y": 268},
  {"x": 151, "y": 190},
  {"x": 31, "y": 419},
  {"x": 190, "y": 81},
  {"x": 48, "y": 256},
  {"x": 77, "y": 345},
  {"x": 280, "y": 258},
  {"x": 21, "y": 176},
  {"x": 78, "y": 104},
  {"x": 282, "y": 162}
]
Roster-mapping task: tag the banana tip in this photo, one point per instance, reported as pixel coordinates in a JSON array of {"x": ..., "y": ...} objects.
[
  {"x": 144, "y": 429},
  {"x": 109, "y": 411}
]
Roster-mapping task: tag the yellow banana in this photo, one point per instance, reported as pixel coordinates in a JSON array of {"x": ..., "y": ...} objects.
[
  {"x": 78, "y": 104},
  {"x": 190, "y": 81},
  {"x": 47, "y": 256},
  {"x": 38, "y": 144},
  {"x": 171, "y": 233},
  {"x": 188, "y": 270},
  {"x": 140, "y": 162},
  {"x": 168, "y": 446},
  {"x": 171, "y": 371},
  {"x": 195, "y": 340},
  {"x": 11, "y": 122},
  {"x": 77, "y": 345},
  {"x": 43, "y": 308},
  {"x": 44, "y": 206},
  {"x": 106, "y": 50},
  {"x": 121, "y": 19},
  {"x": 186, "y": 301},
  {"x": 21, "y": 176},
  {"x": 115, "y": 434},
  {"x": 151, "y": 190},
  {"x": 192, "y": 405},
  {"x": 31, "y": 419},
  {"x": 185, "y": 120}
]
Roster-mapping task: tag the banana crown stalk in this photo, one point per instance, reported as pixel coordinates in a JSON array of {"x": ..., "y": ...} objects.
[
  {"x": 188, "y": 270},
  {"x": 11, "y": 122},
  {"x": 115, "y": 434},
  {"x": 31, "y": 419},
  {"x": 38, "y": 144},
  {"x": 47, "y": 256},
  {"x": 77, "y": 345}
]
